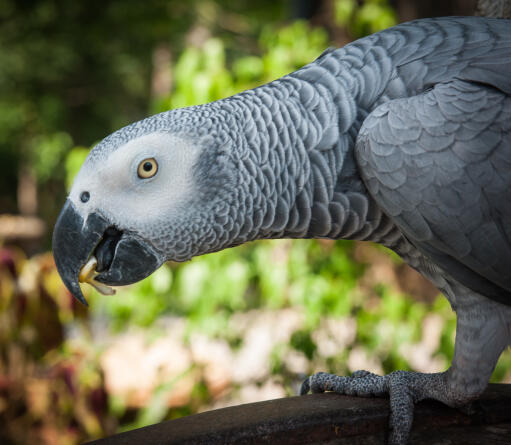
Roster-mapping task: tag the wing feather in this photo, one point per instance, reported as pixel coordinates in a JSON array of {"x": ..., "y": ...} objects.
[{"x": 445, "y": 179}]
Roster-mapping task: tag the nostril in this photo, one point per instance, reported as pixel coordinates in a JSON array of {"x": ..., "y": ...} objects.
[{"x": 84, "y": 196}]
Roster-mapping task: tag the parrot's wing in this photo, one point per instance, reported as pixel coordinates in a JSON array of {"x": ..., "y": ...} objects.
[{"x": 439, "y": 164}]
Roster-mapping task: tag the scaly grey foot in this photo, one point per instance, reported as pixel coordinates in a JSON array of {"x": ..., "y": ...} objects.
[
  {"x": 483, "y": 332},
  {"x": 404, "y": 389}
]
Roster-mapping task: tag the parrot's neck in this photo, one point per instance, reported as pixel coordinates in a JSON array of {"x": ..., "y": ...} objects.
[{"x": 295, "y": 159}]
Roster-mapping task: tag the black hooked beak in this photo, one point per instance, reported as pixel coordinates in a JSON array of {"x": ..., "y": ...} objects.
[{"x": 123, "y": 258}]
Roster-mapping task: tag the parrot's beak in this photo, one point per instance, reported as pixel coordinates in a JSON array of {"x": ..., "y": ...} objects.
[{"x": 122, "y": 258}]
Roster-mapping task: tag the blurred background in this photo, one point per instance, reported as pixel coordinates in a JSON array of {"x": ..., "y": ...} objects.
[{"x": 236, "y": 326}]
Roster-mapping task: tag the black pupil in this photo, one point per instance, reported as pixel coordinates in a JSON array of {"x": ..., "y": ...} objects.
[
  {"x": 84, "y": 197},
  {"x": 148, "y": 166}
]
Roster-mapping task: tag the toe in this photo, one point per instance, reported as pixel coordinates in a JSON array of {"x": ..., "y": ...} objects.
[{"x": 401, "y": 409}]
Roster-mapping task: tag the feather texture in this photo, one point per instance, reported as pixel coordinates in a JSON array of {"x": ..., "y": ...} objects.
[{"x": 454, "y": 207}]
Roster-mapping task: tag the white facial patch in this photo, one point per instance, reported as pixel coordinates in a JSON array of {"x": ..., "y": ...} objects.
[{"x": 117, "y": 191}]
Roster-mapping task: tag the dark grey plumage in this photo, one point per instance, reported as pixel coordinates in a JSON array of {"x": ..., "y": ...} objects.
[
  {"x": 401, "y": 138},
  {"x": 445, "y": 180}
]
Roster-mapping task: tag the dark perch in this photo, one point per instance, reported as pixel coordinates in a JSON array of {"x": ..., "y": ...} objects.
[{"x": 333, "y": 419}]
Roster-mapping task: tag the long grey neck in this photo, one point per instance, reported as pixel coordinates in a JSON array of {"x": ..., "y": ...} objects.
[
  {"x": 296, "y": 152},
  {"x": 297, "y": 173}
]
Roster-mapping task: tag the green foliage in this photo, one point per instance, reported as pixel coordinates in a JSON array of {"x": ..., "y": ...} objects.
[
  {"x": 371, "y": 16},
  {"x": 203, "y": 74},
  {"x": 301, "y": 340},
  {"x": 290, "y": 48},
  {"x": 48, "y": 151},
  {"x": 140, "y": 304},
  {"x": 74, "y": 160}
]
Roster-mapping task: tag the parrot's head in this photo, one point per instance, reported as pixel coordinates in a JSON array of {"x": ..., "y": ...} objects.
[{"x": 154, "y": 191}]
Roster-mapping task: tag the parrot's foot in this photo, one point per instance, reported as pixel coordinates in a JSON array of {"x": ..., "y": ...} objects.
[{"x": 404, "y": 389}]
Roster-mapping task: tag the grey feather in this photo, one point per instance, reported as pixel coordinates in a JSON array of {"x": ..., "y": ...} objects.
[{"x": 460, "y": 180}]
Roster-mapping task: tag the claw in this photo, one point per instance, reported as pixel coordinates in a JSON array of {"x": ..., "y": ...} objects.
[{"x": 305, "y": 388}]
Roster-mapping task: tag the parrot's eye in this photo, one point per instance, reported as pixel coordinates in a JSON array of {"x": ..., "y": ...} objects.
[{"x": 147, "y": 168}]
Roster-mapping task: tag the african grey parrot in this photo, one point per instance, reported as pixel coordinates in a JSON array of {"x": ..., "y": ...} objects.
[{"x": 401, "y": 138}]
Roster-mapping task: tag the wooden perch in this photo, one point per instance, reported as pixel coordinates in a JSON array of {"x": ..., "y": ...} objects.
[{"x": 331, "y": 419}]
